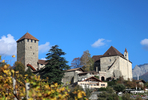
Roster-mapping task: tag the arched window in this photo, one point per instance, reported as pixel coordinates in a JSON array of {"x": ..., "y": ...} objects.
[{"x": 102, "y": 78}]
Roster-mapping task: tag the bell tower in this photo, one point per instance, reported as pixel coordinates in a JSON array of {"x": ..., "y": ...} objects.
[
  {"x": 126, "y": 54},
  {"x": 27, "y": 50}
]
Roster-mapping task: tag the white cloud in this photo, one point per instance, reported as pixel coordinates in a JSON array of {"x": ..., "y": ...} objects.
[
  {"x": 7, "y": 45},
  {"x": 44, "y": 47},
  {"x": 43, "y": 59},
  {"x": 100, "y": 42},
  {"x": 144, "y": 42}
]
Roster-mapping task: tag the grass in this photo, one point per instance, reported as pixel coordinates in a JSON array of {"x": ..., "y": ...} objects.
[{"x": 120, "y": 98}]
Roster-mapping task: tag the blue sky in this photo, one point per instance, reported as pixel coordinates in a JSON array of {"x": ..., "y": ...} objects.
[{"x": 76, "y": 26}]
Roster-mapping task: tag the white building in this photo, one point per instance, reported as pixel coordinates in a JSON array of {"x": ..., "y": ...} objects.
[{"x": 113, "y": 64}]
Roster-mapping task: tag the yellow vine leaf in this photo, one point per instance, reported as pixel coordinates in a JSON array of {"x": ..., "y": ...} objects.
[
  {"x": 13, "y": 56},
  {"x": 3, "y": 61}
]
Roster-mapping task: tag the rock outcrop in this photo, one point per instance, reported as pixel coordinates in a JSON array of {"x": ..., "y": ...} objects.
[{"x": 140, "y": 70}]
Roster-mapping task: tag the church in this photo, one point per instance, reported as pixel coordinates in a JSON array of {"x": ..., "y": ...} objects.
[{"x": 113, "y": 64}]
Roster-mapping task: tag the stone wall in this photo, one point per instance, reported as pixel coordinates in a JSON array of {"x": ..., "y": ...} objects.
[
  {"x": 31, "y": 52},
  {"x": 27, "y": 52},
  {"x": 68, "y": 77},
  {"x": 106, "y": 62},
  {"x": 21, "y": 51},
  {"x": 126, "y": 68},
  {"x": 83, "y": 77},
  {"x": 116, "y": 66}
]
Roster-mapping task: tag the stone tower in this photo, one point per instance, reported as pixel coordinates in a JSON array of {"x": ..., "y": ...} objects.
[{"x": 27, "y": 50}]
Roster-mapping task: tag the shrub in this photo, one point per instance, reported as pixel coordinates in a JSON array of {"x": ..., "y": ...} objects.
[
  {"x": 39, "y": 89},
  {"x": 138, "y": 98},
  {"x": 119, "y": 87},
  {"x": 102, "y": 89},
  {"x": 126, "y": 96}
]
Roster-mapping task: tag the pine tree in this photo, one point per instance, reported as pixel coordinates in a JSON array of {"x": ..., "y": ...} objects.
[{"x": 54, "y": 69}]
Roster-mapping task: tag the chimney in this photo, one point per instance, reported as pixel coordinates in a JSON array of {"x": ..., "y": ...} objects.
[{"x": 97, "y": 69}]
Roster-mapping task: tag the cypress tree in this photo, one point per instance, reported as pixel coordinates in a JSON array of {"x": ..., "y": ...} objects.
[{"x": 56, "y": 64}]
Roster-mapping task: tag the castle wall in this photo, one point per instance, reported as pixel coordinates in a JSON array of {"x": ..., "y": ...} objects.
[
  {"x": 21, "y": 51},
  {"x": 125, "y": 68},
  {"x": 27, "y": 52},
  {"x": 68, "y": 77},
  {"x": 106, "y": 62},
  {"x": 31, "y": 52},
  {"x": 83, "y": 77},
  {"x": 116, "y": 66}
]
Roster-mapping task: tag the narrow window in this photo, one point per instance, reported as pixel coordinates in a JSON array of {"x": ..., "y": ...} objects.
[
  {"x": 30, "y": 47},
  {"x": 27, "y": 40},
  {"x": 31, "y": 40},
  {"x": 34, "y": 41}
]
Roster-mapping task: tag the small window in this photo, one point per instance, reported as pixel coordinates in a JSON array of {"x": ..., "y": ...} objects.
[
  {"x": 33, "y": 53},
  {"x": 34, "y": 41},
  {"x": 27, "y": 40},
  {"x": 31, "y": 40},
  {"x": 30, "y": 47},
  {"x": 102, "y": 84}
]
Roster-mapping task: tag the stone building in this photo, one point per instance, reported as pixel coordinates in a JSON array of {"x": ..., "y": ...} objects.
[
  {"x": 71, "y": 75},
  {"x": 113, "y": 64},
  {"x": 27, "y": 51}
]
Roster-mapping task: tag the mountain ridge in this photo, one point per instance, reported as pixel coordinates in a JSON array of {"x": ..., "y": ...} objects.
[{"x": 140, "y": 71}]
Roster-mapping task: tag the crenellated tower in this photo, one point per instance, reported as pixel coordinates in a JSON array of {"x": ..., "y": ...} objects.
[{"x": 27, "y": 50}]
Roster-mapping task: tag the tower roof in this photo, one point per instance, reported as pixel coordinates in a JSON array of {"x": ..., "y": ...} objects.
[
  {"x": 125, "y": 50},
  {"x": 28, "y": 36},
  {"x": 112, "y": 52}
]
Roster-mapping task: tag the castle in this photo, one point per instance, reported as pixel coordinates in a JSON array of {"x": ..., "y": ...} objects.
[
  {"x": 111, "y": 65},
  {"x": 27, "y": 52}
]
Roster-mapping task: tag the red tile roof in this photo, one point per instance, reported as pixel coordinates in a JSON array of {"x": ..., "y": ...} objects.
[
  {"x": 125, "y": 50},
  {"x": 29, "y": 65},
  {"x": 96, "y": 57},
  {"x": 42, "y": 62},
  {"x": 27, "y": 36},
  {"x": 112, "y": 52}
]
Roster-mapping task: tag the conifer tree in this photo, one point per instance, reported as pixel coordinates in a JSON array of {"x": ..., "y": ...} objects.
[{"x": 56, "y": 64}]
